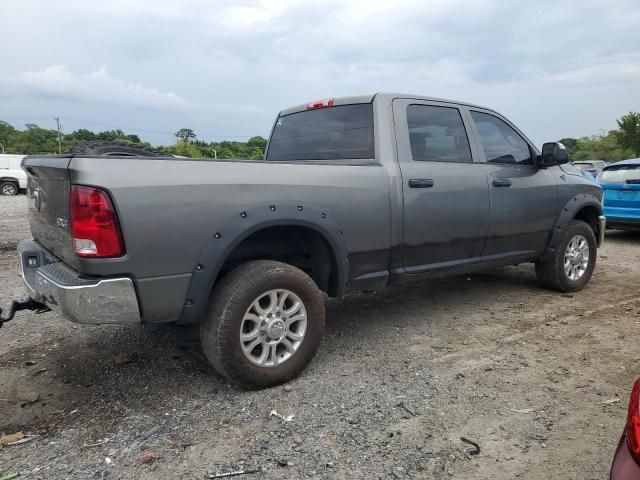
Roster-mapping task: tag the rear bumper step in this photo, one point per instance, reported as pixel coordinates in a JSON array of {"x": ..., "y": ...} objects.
[{"x": 82, "y": 300}]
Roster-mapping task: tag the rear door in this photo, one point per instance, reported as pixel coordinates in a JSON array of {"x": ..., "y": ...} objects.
[
  {"x": 446, "y": 198},
  {"x": 524, "y": 197}
]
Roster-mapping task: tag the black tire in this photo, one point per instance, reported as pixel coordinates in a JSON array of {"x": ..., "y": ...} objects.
[
  {"x": 220, "y": 330},
  {"x": 115, "y": 149},
  {"x": 9, "y": 188},
  {"x": 551, "y": 274}
]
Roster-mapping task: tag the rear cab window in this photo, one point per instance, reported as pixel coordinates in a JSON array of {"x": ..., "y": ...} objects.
[{"x": 343, "y": 132}]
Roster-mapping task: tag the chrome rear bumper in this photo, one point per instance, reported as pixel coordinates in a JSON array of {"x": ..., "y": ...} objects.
[{"x": 82, "y": 300}]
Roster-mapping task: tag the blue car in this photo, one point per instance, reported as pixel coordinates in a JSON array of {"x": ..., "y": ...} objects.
[{"x": 621, "y": 184}]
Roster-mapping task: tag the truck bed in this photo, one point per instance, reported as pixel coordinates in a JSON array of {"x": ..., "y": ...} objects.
[{"x": 170, "y": 209}]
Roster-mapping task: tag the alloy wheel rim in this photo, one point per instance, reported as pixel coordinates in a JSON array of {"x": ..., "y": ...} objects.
[
  {"x": 576, "y": 258},
  {"x": 273, "y": 328},
  {"x": 8, "y": 189}
]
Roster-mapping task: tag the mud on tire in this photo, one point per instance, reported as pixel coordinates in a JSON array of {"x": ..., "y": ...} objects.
[{"x": 231, "y": 305}]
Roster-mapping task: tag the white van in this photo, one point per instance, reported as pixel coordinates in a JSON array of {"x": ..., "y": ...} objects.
[{"x": 12, "y": 177}]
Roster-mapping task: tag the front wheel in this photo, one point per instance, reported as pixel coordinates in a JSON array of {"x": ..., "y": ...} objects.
[
  {"x": 264, "y": 324},
  {"x": 572, "y": 264}
]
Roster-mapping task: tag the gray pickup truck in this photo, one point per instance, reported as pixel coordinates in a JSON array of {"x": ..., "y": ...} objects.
[{"x": 353, "y": 194}]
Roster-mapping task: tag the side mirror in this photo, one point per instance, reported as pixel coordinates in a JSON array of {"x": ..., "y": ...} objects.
[{"x": 553, "y": 153}]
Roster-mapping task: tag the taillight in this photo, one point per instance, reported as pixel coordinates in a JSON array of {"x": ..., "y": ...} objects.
[
  {"x": 633, "y": 422},
  {"x": 94, "y": 224},
  {"x": 321, "y": 104}
]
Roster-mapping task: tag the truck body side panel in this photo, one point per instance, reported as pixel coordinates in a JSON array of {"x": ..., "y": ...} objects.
[{"x": 170, "y": 209}]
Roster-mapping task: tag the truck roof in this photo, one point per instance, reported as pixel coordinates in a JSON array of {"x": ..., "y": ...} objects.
[{"x": 368, "y": 98}]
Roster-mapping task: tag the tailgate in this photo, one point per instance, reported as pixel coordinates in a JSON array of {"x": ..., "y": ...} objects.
[
  {"x": 622, "y": 195},
  {"x": 48, "y": 190}
]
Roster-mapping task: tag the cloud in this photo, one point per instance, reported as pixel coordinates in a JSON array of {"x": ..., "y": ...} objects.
[
  {"x": 227, "y": 67},
  {"x": 95, "y": 87}
]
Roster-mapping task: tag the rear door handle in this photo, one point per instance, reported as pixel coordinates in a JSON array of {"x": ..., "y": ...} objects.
[
  {"x": 421, "y": 183},
  {"x": 501, "y": 182}
]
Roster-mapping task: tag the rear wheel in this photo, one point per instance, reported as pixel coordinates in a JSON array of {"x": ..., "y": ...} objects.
[
  {"x": 573, "y": 262},
  {"x": 9, "y": 188},
  {"x": 264, "y": 324}
]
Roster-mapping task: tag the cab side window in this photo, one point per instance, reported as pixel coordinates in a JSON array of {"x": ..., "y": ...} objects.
[
  {"x": 437, "y": 134},
  {"x": 500, "y": 142}
]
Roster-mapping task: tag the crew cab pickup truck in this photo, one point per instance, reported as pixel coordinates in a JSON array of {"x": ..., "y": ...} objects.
[{"x": 353, "y": 194}]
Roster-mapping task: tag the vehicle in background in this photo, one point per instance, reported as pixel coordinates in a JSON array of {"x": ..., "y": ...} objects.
[
  {"x": 621, "y": 184},
  {"x": 626, "y": 462},
  {"x": 592, "y": 166},
  {"x": 590, "y": 176},
  {"x": 12, "y": 177}
]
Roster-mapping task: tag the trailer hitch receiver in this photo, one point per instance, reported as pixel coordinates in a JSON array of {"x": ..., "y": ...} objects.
[{"x": 17, "y": 305}]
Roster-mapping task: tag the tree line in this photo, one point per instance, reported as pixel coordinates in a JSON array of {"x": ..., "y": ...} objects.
[
  {"x": 618, "y": 144},
  {"x": 34, "y": 140}
]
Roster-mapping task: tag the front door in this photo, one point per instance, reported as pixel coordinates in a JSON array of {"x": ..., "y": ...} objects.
[
  {"x": 446, "y": 197},
  {"x": 524, "y": 197}
]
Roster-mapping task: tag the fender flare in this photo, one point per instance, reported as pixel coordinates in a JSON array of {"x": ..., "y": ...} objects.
[
  {"x": 568, "y": 213},
  {"x": 235, "y": 228}
]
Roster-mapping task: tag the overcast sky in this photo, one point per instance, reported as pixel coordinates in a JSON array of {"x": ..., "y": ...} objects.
[{"x": 224, "y": 68}]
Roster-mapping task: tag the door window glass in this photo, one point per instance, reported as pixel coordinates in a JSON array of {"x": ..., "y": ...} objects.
[
  {"x": 437, "y": 134},
  {"x": 500, "y": 142}
]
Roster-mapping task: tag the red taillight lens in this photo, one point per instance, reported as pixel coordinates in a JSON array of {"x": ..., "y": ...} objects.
[
  {"x": 94, "y": 224},
  {"x": 321, "y": 104},
  {"x": 633, "y": 422}
]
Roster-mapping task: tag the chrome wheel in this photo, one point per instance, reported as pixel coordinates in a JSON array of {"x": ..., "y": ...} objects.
[
  {"x": 8, "y": 189},
  {"x": 273, "y": 328},
  {"x": 576, "y": 257}
]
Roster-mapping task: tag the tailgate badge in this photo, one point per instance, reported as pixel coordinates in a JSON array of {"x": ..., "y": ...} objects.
[{"x": 61, "y": 222}]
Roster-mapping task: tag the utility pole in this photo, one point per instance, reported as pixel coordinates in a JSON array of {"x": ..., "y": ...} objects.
[
  {"x": 57, "y": 119},
  {"x": 1, "y": 145}
]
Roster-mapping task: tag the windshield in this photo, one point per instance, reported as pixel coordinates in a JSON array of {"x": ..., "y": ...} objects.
[
  {"x": 335, "y": 133},
  {"x": 620, "y": 174}
]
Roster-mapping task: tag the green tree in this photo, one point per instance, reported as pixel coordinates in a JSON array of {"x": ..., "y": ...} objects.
[
  {"x": 185, "y": 134},
  {"x": 601, "y": 147},
  {"x": 628, "y": 133},
  {"x": 571, "y": 144}
]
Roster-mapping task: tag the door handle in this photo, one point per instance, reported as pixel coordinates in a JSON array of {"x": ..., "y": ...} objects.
[
  {"x": 421, "y": 183},
  {"x": 501, "y": 182}
]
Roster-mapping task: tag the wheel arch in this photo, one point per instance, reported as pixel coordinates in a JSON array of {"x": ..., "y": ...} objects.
[
  {"x": 583, "y": 207},
  {"x": 220, "y": 254},
  {"x": 9, "y": 179}
]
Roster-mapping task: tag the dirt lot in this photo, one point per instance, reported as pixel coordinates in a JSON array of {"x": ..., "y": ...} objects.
[{"x": 400, "y": 377}]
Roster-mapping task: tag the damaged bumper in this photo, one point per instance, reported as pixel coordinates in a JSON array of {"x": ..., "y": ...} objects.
[{"x": 82, "y": 300}]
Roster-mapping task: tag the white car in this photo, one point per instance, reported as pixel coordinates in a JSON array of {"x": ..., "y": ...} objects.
[{"x": 12, "y": 176}]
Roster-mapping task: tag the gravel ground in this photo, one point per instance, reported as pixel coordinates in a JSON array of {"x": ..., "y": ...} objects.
[{"x": 401, "y": 376}]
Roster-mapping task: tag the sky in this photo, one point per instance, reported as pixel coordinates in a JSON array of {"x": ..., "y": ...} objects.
[{"x": 225, "y": 68}]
